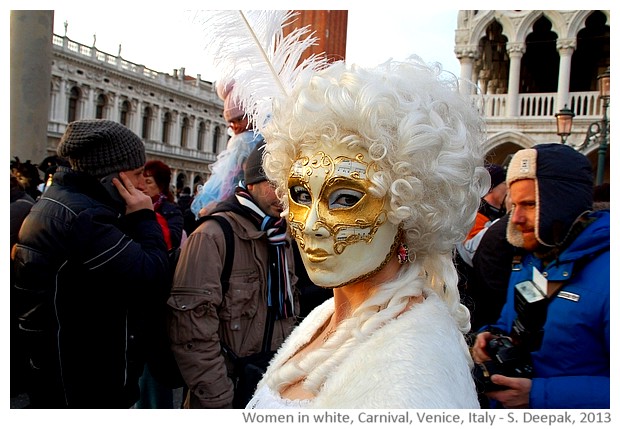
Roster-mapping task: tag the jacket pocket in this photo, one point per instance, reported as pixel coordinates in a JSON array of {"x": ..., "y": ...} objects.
[
  {"x": 192, "y": 315},
  {"x": 240, "y": 302}
]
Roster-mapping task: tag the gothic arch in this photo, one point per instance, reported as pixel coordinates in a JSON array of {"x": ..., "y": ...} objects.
[
  {"x": 505, "y": 137},
  {"x": 578, "y": 22},
  {"x": 558, "y": 26},
  {"x": 592, "y": 51},
  {"x": 479, "y": 31}
]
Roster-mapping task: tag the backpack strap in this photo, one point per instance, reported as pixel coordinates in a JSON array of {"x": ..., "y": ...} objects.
[{"x": 230, "y": 249}]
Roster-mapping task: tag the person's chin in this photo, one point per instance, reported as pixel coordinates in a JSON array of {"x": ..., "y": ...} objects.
[
  {"x": 276, "y": 211},
  {"x": 530, "y": 243}
]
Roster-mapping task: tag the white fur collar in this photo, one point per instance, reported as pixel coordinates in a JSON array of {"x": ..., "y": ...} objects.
[{"x": 419, "y": 360}]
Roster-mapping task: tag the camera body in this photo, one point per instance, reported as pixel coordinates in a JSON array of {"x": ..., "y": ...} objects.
[
  {"x": 510, "y": 355},
  {"x": 506, "y": 359}
]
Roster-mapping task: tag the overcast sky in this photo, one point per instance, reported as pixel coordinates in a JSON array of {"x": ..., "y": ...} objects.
[{"x": 164, "y": 39}]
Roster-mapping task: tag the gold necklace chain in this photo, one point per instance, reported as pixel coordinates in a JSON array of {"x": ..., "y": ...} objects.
[{"x": 328, "y": 335}]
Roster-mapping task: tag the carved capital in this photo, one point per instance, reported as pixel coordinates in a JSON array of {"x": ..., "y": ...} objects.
[
  {"x": 566, "y": 44},
  {"x": 515, "y": 49},
  {"x": 469, "y": 51}
]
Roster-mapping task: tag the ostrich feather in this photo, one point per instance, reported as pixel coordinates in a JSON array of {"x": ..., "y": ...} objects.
[{"x": 249, "y": 48}]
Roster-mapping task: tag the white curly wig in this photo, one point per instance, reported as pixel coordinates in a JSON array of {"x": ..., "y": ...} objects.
[{"x": 425, "y": 139}]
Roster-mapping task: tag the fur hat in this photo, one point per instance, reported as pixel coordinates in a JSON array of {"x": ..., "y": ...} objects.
[
  {"x": 232, "y": 109},
  {"x": 100, "y": 147},
  {"x": 253, "y": 169},
  {"x": 564, "y": 185}
]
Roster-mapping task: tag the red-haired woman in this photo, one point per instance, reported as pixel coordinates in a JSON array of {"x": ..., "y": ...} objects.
[
  {"x": 157, "y": 178},
  {"x": 153, "y": 393}
]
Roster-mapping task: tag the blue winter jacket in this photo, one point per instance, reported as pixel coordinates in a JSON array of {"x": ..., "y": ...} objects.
[{"x": 571, "y": 368}]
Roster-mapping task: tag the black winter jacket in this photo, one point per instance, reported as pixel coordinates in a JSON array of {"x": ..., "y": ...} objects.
[{"x": 87, "y": 279}]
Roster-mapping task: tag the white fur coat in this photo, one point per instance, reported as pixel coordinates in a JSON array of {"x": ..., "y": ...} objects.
[{"x": 419, "y": 360}]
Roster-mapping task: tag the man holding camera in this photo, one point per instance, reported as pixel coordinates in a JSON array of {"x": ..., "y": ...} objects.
[{"x": 551, "y": 342}]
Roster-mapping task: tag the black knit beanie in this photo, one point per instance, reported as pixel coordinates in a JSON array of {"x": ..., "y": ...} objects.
[
  {"x": 100, "y": 147},
  {"x": 498, "y": 174},
  {"x": 253, "y": 170}
]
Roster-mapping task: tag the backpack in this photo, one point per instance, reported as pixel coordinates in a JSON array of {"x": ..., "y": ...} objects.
[
  {"x": 163, "y": 364},
  {"x": 230, "y": 249},
  {"x": 248, "y": 370}
]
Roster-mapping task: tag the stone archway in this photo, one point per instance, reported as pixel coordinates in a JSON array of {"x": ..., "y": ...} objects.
[{"x": 501, "y": 146}]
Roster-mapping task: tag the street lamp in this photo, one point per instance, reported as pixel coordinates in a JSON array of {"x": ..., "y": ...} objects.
[
  {"x": 564, "y": 120},
  {"x": 598, "y": 132},
  {"x": 603, "y": 82}
]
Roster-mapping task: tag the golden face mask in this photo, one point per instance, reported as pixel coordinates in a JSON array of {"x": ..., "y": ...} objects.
[
  {"x": 341, "y": 228},
  {"x": 344, "y": 206}
]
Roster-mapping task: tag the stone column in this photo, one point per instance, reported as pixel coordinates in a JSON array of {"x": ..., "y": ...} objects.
[
  {"x": 30, "y": 80},
  {"x": 54, "y": 115},
  {"x": 133, "y": 116},
  {"x": 566, "y": 47},
  {"x": 87, "y": 103},
  {"x": 515, "y": 51},
  {"x": 192, "y": 133},
  {"x": 156, "y": 122},
  {"x": 467, "y": 56},
  {"x": 175, "y": 129},
  {"x": 138, "y": 116},
  {"x": 115, "y": 114},
  {"x": 209, "y": 132}
]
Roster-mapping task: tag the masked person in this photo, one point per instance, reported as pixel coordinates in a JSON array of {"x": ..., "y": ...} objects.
[
  {"x": 227, "y": 170},
  {"x": 380, "y": 173},
  {"x": 376, "y": 198}
]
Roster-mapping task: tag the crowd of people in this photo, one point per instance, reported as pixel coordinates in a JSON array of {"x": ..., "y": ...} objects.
[{"x": 353, "y": 251}]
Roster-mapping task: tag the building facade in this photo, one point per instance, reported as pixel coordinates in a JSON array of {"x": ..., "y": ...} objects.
[
  {"x": 527, "y": 66},
  {"x": 178, "y": 117}
]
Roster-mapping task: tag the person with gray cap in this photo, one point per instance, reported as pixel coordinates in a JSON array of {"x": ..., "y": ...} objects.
[
  {"x": 555, "y": 323},
  {"x": 221, "y": 319},
  {"x": 90, "y": 260}
]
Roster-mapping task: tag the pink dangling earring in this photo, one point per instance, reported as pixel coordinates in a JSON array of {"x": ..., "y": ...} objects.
[{"x": 403, "y": 254}]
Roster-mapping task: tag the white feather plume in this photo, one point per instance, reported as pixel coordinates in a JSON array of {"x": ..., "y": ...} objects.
[{"x": 249, "y": 48}]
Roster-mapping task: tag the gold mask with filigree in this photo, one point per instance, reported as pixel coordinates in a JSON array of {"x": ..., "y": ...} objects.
[
  {"x": 346, "y": 182},
  {"x": 330, "y": 201}
]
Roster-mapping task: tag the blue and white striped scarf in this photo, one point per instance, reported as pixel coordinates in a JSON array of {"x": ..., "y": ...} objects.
[{"x": 279, "y": 293}]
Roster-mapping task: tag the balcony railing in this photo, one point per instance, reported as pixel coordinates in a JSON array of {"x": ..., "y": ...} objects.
[
  {"x": 542, "y": 105},
  {"x": 196, "y": 86}
]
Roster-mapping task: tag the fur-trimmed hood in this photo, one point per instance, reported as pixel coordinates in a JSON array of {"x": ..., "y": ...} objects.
[{"x": 564, "y": 189}]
